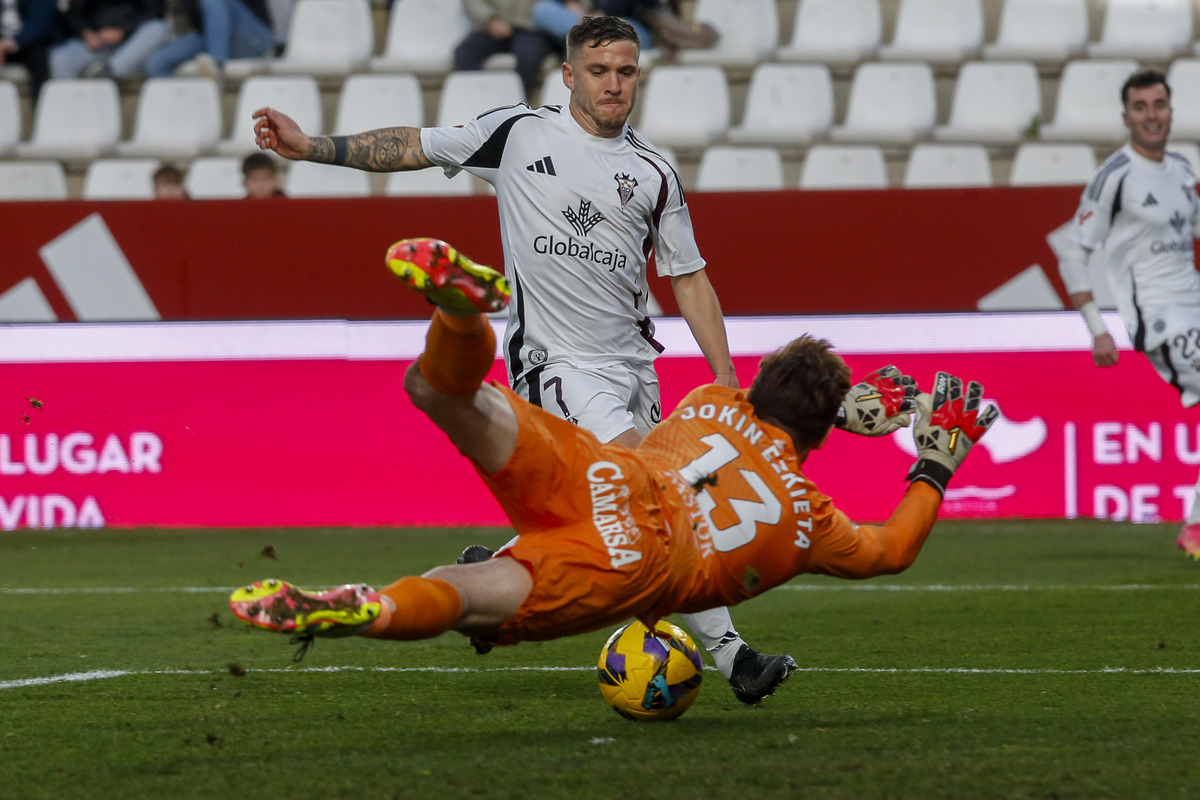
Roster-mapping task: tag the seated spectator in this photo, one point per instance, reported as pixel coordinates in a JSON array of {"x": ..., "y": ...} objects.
[
  {"x": 28, "y": 29},
  {"x": 214, "y": 31},
  {"x": 168, "y": 183},
  {"x": 260, "y": 176},
  {"x": 504, "y": 26},
  {"x": 108, "y": 38},
  {"x": 557, "y": 17}
]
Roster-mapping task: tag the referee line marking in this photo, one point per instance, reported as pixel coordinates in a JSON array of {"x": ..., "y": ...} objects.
[{"x": 104, "y": 674}]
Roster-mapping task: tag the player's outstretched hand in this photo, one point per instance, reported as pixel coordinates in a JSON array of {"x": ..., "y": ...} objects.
[
  {"x": 274, "y": 130},
  {"x": 881, "y": 403},
  {"x": 948, "y": 423}
]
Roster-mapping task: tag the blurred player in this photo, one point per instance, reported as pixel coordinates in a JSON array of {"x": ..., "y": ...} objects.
[
  {"x": 1141, "y": 210},
  {"x": 711, "y": 508},
  {"x": 583, "y": 201}
]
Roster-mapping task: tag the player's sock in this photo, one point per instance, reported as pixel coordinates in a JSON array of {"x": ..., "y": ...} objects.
[
  {"x": 424, "y": 608},
  {"x": 716, "y": 634},
  {"x": 459, "y": 352}
]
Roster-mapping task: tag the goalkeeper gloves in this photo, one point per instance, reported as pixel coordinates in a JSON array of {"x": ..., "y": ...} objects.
[
  {"x": 948, "y": 423},
  {"x": 878, "y": 405}
]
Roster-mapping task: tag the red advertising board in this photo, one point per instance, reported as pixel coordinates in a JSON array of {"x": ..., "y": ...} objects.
[{"x": 306, "y": 423}]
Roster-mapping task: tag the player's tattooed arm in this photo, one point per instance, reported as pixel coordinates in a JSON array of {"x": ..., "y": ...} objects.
[{"x": 381, "y": 150}]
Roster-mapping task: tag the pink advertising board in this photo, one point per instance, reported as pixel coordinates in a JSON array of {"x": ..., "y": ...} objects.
[{"x": 306, "y": 423}]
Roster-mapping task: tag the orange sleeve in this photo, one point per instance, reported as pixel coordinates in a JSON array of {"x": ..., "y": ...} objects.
[{"x": 847, "y": 550}]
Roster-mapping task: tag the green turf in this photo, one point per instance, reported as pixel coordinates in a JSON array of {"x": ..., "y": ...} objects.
[{"x": 1009, "y": 668}]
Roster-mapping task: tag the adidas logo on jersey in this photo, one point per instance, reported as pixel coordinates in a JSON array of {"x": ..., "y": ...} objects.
[
  {"x": 1149, "y": 201},
  {"x": 543, "y": 165}
]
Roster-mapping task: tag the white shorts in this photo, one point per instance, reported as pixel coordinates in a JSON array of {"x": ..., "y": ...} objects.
[
  {"x": 605, "y": 400},
  {"x": 1177, "y": 358}
]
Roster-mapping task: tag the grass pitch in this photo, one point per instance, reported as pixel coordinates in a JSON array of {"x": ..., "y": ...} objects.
[{"x": 1013, "y": 660}]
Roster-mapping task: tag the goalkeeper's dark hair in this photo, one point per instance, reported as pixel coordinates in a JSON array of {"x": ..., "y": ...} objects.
[
  {"x": 800, "y": 388},
  {"x": 1142, "y": 79},
  {"x": 599, "y": 31}
]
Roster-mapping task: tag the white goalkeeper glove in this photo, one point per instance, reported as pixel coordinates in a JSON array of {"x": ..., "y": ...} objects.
[
  {"x": 881, "y": 403},
  {"x": 948, "y": 423}
]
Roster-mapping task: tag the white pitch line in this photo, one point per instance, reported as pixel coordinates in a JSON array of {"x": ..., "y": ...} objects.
[{"x": 103, "y": 674}]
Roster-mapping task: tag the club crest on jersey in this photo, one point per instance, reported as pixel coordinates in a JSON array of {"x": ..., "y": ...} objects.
[
  {"x": 583, "y": 220},
  {"x": 625, "y": 187},
  {"x": 1178, "y": 221}
]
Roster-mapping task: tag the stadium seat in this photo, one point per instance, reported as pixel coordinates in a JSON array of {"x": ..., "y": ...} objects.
[
  {"x": 836, "y": 32},
  {"x": 32, "y": 180},
  {"x": 215, "y": 178},
  {"x": 176, "y": 118},
  {"x": 1155, "y": 30},
  {"x": 1040, "y": 30},
  {"x": 554, "y": 92},
  {"x": 685, "y": 106},
  {"x": 308, "y": 179},
  {"x": 428, "y": 183},
  {"x": 10, "y": 117},
  {"x": 889, "y": 103},
  {"x": 1089, "y": 102},
  {"x": 466, "y": 95},
  {"x": 786, "y": 104},
  {"x": 1184, "y": 80},
  {"x": 994, "y": 101},
  {"x": 422, "y": 35},
  {"x": 1046, "y": 164},
  {"x": 75, "y": 120},
  {"x": 295, "y": 95},
  {"x": 120, "y": 179},
  {"x": 828, "y": 166},
  {"x": 327, "y": 38},
  {"x": 942, "y": 31},
  {"x": 724, "y": 169},
  {"x": 749, "y": 32},
  {"x": 947, "y": 165},
  {"x": 378, "y": 101}
]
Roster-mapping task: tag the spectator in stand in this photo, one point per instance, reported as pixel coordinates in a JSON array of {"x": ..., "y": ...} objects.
[
  {"x": 28, "y": 29},
  {"x": 168, "y": 183},
  {"x": 109, "y": 38},
  {"x": 260, "y": 176},
  {"x": 557, "y": 17},
  {"x": 504, "y": 26},
  {"x": 214, "y": 31}
]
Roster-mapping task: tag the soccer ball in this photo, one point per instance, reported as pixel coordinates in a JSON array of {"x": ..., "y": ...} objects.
[{"x": 650, "y": 675}]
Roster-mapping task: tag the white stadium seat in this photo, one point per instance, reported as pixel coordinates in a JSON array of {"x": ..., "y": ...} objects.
[
  {"x": 298, "y": 96},
  {"x": 1040, "y": 30},
  {"x": 328, "y": 38},
  {"x": 994, "y": 102},
  {"x": 32, "y": 180},
  {"x": 553, "y": 92},
  {"x": 10, "y": 117},
  {"x": 1156, "y": 30},
  {"x": 724, "y": 169},
  {"x": 176, "y": 118},
  {"x": 466, "y": 95},
  {"x": 422, "y": 35},
  {"x": 893, "y": 103},
  {"x": 828, "y": 166},
  {"x": 936, "y": 30},
  {"x": 215, "y": 178},
  {"x": 947, "y": 165},
  {"x": 685, "y": 106},
  {"x": 1089, "y": 102},
  {"x": 378, "y": 101},
  {"x": 308, "y": 179},
  {"x": 75, "y": 119},
  {"x": 786, "y": 104},
  {"x": 1045, "y": 164},
  {"x": 834, "y": 32},
  {"x": 749, "y": 32},
  {"x": 120, "y": 179},
  {"x": 1184, "y": 79}
]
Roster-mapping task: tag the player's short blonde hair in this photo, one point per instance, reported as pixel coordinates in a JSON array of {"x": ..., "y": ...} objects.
[{"x": 800, "y": 388}]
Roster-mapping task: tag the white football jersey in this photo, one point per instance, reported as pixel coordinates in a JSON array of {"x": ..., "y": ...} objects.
[
  {"x": 579, "y": 217},
  {"x": 1144, "y": 215}
]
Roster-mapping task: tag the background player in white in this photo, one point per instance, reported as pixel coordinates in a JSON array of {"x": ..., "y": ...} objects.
[
  {"x": 1141, "y": 210},
  {"x": 583, "y": 202}
]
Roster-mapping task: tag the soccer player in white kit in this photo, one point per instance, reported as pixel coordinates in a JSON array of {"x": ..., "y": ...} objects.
[
  {"x": 583, "y": 201},
  {"x": 1141, "y": 210}
]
